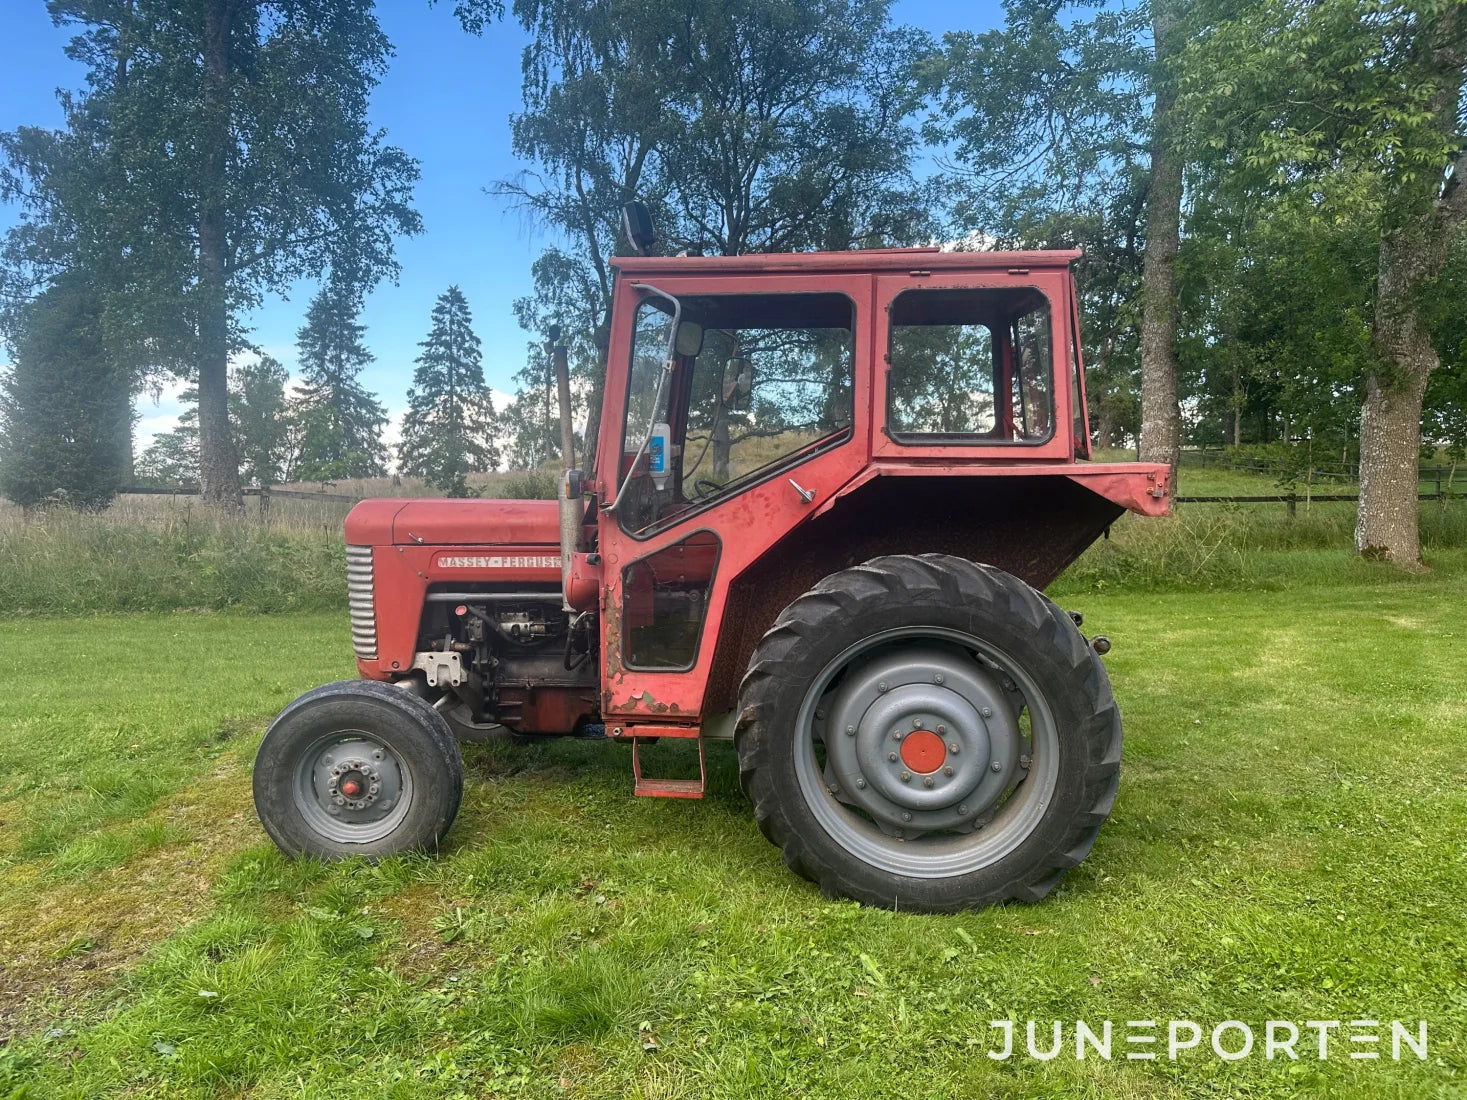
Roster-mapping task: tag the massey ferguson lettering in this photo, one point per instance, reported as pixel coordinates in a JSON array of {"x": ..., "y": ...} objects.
[{"x": 499, "y": 561}]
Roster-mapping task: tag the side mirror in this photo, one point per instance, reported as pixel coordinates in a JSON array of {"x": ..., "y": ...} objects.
[
  {"x": 689, "y": 338},
  {"x": 636, "y": 223}
]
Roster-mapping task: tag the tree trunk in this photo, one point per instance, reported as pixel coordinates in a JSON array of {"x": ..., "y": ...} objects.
[
  {"x": 1161, "y": 419},
  {"x": 1420, "y": 221},
  {"x": 1105, "y": 423},
  {"x": 218, "y": 462},
  {"x": 1390, "y": 423},
  {"x": 721, "y": 445}
]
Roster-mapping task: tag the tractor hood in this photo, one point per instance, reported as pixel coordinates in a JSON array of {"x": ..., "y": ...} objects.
[{"x": 454, "y": 523}]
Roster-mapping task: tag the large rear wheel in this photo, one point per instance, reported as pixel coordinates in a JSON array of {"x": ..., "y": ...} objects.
[{"x": 928, "y": 733}]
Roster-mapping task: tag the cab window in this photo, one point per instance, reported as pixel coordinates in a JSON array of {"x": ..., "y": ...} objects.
[
  {"x": 758, "y": 384},
  {"x": 971, "y": 366}
]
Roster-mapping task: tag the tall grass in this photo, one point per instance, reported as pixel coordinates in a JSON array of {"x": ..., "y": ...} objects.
[
  {"x": 167, "y": 554},
  {"x": 165, "y": 558},
  {"x": 1250, "y": 546}
]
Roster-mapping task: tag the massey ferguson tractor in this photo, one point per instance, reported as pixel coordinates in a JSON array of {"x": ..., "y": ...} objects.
[{"x": 827, "y": 492}]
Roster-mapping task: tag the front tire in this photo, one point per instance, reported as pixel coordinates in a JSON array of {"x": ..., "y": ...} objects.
[
  {"x": 927, "y": 733},
  {"x": 357, "y": 768}
]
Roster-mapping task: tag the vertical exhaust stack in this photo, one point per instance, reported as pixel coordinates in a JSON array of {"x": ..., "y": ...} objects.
[{"x": 572, "y": 507}]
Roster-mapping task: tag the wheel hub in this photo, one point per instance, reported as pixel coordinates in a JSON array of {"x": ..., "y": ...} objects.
[
  {"x": 922, "y": 738},
  {"x": 351, "y": 787},
  {"x": 923, "y": 751}
]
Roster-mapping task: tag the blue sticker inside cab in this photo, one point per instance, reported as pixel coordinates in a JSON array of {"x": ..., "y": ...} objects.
[{"x": 656, "y": 455}]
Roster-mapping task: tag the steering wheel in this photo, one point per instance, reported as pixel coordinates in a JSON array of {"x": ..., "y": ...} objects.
[{"x": 703, "y": 487}]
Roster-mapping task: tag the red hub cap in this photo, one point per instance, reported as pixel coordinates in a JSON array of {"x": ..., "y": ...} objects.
[
  {"x": 351, "y": 788},
  {"x": 923, "y": 751}
]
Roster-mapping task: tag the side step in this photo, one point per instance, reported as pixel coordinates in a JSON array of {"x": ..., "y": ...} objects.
[{"x": 664, "y": 788}]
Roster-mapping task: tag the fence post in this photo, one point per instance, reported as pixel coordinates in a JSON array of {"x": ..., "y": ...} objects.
[{"x": 1293, "y": 504}]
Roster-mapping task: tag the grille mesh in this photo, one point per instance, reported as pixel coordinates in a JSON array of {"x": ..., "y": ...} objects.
[{"x": 359, "y": 599}]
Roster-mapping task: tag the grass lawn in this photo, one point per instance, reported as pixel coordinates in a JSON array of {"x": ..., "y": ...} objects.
[{"x": 1290, "y": 843}]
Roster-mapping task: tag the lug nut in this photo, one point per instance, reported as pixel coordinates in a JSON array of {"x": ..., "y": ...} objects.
[
  {"x": 891, "y": 756},
  {"x": 941, "y": 729},
  {"x": 953, "y": 747},
  {"x": 882, "y": 687},
  {"x": 850, "y": 731},
  {"x": 937, "y": 679},
  {"x": 927, "y": 782},
  {"x": 996, "y": 766},
  {"x": 916, "y": 723},
  {"x": 987, "y": 712},
  {"x": 896, "y": 735},
  {"x": 861, "y": 783},
  {"x": 906, "y": 777},
  {"x": 962, "y": 810},
  {"x": 947, "y": 770},
  {"x": 906, "y": 817}
]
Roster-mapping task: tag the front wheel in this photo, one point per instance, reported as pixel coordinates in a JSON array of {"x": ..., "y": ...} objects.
[
  {"x": 357, "y": 768},
  {"x": 928, "y": 733}
]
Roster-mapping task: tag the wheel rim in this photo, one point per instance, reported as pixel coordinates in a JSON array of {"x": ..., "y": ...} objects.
[
  {"x": 352, "y": 788},
  {"x": 912, "y": 752}
]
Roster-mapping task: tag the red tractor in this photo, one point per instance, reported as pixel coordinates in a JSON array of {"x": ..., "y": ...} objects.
[{"x": 827, "y": 493}]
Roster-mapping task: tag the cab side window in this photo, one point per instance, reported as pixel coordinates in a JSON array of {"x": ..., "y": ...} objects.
[{"x": 971, "y": 366}]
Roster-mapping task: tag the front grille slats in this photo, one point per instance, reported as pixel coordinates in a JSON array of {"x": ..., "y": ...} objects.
[{"x": 359, "y": 595}]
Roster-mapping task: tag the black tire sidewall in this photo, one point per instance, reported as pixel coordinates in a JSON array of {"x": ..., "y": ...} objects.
[
  {"x": 1037, "y": 642},
  {"x": 414, "y": 732}
]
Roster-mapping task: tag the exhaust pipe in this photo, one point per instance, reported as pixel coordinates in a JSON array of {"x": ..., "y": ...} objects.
[{"x": 572, "y": 505}]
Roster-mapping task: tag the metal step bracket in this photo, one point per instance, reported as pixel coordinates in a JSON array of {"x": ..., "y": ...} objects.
[{"x": 650, "y": 787}]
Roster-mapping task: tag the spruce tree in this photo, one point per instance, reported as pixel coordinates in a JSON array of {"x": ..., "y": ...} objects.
[
  {"x": 341, "y": 422},
  {"x": 448, "y": 432},
  {"x": 65, "y": 409},
  {"x": 257, "y": 411}
]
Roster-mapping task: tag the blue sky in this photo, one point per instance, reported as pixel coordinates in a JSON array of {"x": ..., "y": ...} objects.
[{"x": 447, "y": 99}]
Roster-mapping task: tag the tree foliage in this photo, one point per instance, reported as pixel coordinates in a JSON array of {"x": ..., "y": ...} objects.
[
  {"x": 65, "y": 406},
  {"x": 341, "y": 423},
  {"x": 219, "y": 151},
  {"x": 260, "y": 414},
  {"x": 749, "y": 126},
  {"x": 449, "y": 429}
]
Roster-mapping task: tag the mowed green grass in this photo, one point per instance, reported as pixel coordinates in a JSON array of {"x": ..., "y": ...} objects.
[{"x": 1290, "y": 842}]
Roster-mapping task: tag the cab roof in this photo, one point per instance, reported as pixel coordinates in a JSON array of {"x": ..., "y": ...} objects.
[{"x": 854, "y": 261}]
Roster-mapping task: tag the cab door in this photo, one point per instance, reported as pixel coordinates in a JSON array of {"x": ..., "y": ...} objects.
[{"x": 763, "y": 418}]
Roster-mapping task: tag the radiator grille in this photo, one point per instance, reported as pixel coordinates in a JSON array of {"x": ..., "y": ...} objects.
[{"x": 359, "y": 599}]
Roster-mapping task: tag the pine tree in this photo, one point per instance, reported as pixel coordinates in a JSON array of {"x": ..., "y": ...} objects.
[
  {"x": 65, "y": 409},
  {"x": 449, "y": 428},
  {"x": 257, "y": 411},
  {"x": 341, "y": 422}
]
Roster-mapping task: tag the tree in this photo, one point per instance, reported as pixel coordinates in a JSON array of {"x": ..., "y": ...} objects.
[
  {"x": 748, "y": 125},
  {"x": 1161, "y": 417},
  {"x": 448, "y": 431},
  {"x": 219, "y": 151},
  {"x": 171, "y": 460},
  {"x": 259, "y": 412},
  {"x": 341, "y": 423},
  {"x": 1058, "y": 129},
  {"x": 65, "y": 407},
  {"x": 1351, "y": 112}
]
